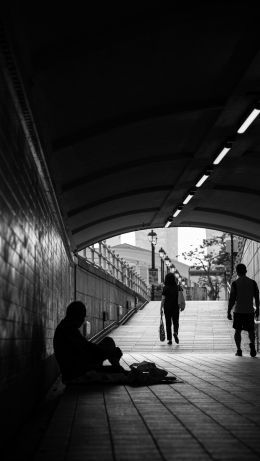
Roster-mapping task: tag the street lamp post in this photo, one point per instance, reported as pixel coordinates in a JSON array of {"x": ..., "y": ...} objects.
[
  {"x": 152, "y": 236},
  {"x": 162, "y": 256}
]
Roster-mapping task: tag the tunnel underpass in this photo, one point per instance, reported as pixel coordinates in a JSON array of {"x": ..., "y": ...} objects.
[{"x": 114, "y": 120}]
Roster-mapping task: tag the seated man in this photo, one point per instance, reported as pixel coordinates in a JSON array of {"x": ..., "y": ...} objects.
[{"x": 75, "y": 354}]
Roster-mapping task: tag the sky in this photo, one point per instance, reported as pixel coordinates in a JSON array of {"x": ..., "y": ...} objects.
[
  {"x": 128, "y": 238},
  {"x": 188, "y": 238}
]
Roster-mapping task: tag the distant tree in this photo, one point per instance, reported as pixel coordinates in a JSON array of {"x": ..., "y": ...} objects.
[{"x": 209, "y": 257}]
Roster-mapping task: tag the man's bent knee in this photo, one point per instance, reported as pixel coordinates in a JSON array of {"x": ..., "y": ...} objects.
[{"x": 108, "y": 344}]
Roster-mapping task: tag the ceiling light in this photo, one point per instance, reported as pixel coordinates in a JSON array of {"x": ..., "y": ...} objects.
[
  {"x": 175, "y": 214},
  {"x": 202, "y": 180},
  {"x": 168, "y": 222},
  {"x": 222, "y": 154},
  {"x": 255, "y": 112},
  {"x": 187, "y": 199}
]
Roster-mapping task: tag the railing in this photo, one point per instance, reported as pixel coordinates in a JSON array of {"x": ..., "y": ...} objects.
[
  {"x": 228, "y": 289},
  {"x": 102, "y": 256},
  {"x": 103, "y": 333}
]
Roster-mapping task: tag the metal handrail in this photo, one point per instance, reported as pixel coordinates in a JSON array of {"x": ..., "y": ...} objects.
[
  {"x": 103, "y": 257},
  {"x": 228, "y": 288},
  {"x": 103, "y": 333}
]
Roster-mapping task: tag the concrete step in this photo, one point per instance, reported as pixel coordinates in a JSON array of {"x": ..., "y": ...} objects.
[{"x": 203, "y": 327}]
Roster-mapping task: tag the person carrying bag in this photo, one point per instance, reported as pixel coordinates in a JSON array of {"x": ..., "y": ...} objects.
[{"x": 172, "y": 302}]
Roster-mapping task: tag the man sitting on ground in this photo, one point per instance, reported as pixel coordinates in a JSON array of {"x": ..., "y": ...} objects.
[
  {"x": 76, "y": 355},
  {"x": 243, "y": 291}
]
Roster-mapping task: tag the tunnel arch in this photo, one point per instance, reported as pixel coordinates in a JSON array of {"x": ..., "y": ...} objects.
[{"x": 129, "y": 119}]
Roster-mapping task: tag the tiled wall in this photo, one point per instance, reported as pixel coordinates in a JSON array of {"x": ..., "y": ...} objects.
[
  {"x": 36, "y": 279},
  {"x": 251, "y": 258},
  {"x": 34, "y": 275}
]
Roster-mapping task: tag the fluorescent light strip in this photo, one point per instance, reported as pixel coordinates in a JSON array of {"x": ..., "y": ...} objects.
[
  {"x": 221, "y": 155},
  {"x": 187, "y": 199},
  {"x": 168, "y": 224},
  {"x": 176, "y": 213},
  {"x": 202, "y": 180},
  {"x": 248, "y": 121}
]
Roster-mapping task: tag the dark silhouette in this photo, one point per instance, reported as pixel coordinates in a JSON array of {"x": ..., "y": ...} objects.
[
  {"x": 243, "y": 292},
  {"x": 169, "y": 305},
  {"x": 75, "y": 354}
]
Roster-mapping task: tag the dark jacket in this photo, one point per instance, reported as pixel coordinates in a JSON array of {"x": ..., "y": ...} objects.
[
  {"x": 74, "y": 354},
  {"x": 171, "y": 298},
  {"x": 243, "y": 292}
]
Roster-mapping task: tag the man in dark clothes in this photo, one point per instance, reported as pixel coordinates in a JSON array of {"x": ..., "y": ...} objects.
[
  {"x": 243, "y": 292},
  {"x": 75, "y": 354}
]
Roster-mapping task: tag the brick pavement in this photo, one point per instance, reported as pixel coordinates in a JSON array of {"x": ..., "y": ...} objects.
[{"x": 212, "y": 414}]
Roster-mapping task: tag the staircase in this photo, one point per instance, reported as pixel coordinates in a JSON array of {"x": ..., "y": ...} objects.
[{"x": 204, "y": 327}]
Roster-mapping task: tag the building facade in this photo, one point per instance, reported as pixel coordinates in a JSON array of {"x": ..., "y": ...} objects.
[
  {"x": 166, "y": 238},
  {"x": 140, "y": 259}
]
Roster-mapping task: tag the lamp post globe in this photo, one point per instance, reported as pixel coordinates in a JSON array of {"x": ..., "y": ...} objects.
[
  {"x": 162, "y": 254},
  {"x": 168, "y": 263},
  {"x": 152, "y": 237}
]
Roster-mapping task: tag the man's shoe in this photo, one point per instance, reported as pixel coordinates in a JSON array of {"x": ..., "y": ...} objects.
[
  {"x": 252, "y": 350},
  {"x": 239, "y": 353},
  {"x": 170, "y": 342},
  {"x": 176, "y": 338}
]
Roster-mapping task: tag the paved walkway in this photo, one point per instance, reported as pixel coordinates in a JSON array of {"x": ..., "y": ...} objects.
[
  {"x": 212, "y": 413},
  {"x": 203, "y": 327}
]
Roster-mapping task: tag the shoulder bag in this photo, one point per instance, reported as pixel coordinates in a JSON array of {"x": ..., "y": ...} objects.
[
  {"x": 161, "y": 330},
  {"x": 181, "y": 299}
]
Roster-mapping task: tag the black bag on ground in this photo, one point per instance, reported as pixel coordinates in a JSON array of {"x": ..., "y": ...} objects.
[
  {"x": 147, "y": 373},
  {"x": 140, "y": 374}
]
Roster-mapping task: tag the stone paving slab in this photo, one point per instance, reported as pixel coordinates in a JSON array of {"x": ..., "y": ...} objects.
[
  {"x": 203, "y": 327},
  {"x": 211, "y": 413}
]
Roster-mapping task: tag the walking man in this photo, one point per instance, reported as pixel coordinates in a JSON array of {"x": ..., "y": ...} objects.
[{"x": 243, "y": 292}]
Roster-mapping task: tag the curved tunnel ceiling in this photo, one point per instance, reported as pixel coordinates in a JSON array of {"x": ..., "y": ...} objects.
[{"x": 133, "y": 106}]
